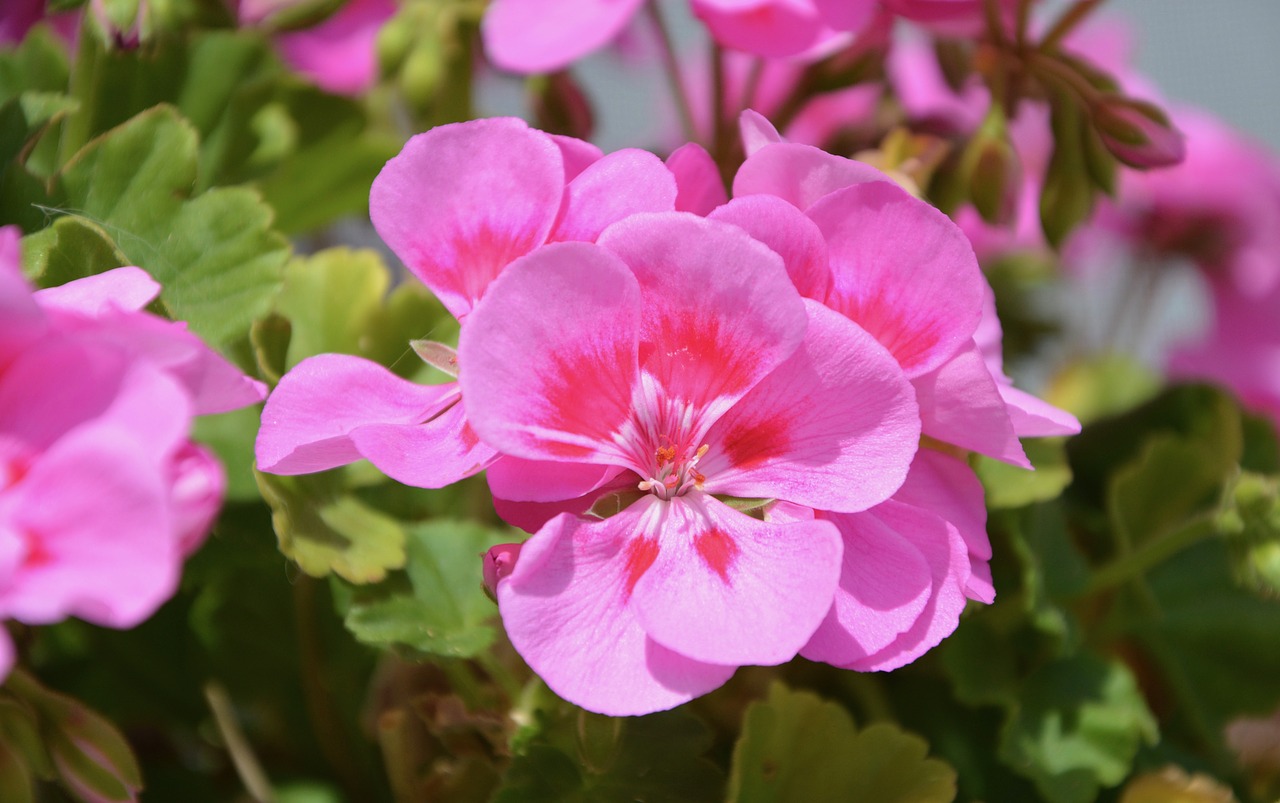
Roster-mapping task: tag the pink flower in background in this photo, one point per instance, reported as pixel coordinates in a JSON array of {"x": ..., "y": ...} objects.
[
  {"x": 340, "y": 54},
  {"x": 644, "y": 358},
  {"x": 102, "y": 493},
  {"x": 457, "y": 205}
]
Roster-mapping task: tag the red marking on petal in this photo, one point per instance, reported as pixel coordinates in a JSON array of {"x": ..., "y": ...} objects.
[
  {"x": 750, "y": 444},
  {"x": 691, "y": 356},
  {"x": 717, "y": 550},
  {"x": 909, "y": 341},
  {"x": 641, "y": 553},
  {"x": 609, "y": 373},
  {"x": 481, "y": 255},
  {"x": 468, "y": 436}
]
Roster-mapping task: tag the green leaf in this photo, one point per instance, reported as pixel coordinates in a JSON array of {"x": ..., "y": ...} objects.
[
  {"x": 1010, "y": 486},
  {"x": 657, "y": 760},
  {"x": 215, "y": 254},
  {"x": 231, "y": 436},
  {"x": 795, "y": 746},
  {"x": 326, "y": 531},
  {"x": 1102, "y": 386},
  {"x": 72, "y": 248},
  {"x": 329, "y": 298},
  {"x": 448, "y": 613},
  {"x": 1078, "y": 727}
]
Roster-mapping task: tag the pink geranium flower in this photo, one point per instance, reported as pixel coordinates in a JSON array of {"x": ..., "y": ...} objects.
[
  {"x": 645, "y": 357},
  {"x": 101, "y": 491},
  {"x": 457, "y": 205}
]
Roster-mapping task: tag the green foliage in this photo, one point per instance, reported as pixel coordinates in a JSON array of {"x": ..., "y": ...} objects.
[
  {"x": 1076, "y": 727},
  {"x": 72, "y": 248},
  {"x": 447, "y": 612},
  {"x": 1009, "y": 486},
  {"x": 214, "y": 253},
  {"x": 794, "y": 747},
  {"x": 325, "y": 530}
]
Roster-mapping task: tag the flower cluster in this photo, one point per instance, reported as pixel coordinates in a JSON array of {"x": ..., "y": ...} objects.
[
  {"x": 745, "y": 385},
  {"x": 102, "y": 492}
]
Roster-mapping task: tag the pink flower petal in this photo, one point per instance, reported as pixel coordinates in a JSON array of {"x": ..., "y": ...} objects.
[
  {"x": 790, "y": 234},
  {"x": 533, "y": 516},
  {"x": 20, "y": 317},
  {"x": 708, "y": 334},
  {"x": 549, "y": 358},
  {"x": 339, "y": 54},
  {"x": 770, "y": 28},
  {"x": 567, "y": 608},
  {"x": 961, "y": 405},
  {"x": 518, "y": 480},
  {"x": 885, "y": 584},
  {"x": 903, "y": 271},
  {"x": 431, "y": 454},
  {"x": 309, "y": 419},
  {"x": 948, "y": 488},
  {"x": 847, "y": 15},
  {"x": 948, "y": 560},
  {"x": 800, "y": 174},
  {"x": 756, "y": 131},
  {"x": 728, "y": 589},
  {"x": 1033, "y": 417},
  {"x": 534, "y": 36},
  {"x": 196, "y": 485},
  {"x": 462, "y": 201},
  {"x": 128, "y": 289},
  {"x": 699, "y": 187},
  {"x": 623, "y": 183},
  {"x": 835, "y": 427},
  {"x": 578, "y": 154}
]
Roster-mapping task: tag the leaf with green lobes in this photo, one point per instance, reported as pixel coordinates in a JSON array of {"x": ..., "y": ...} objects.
[
  {"x": 1077, "y": 728},
  {"x": 655, "y": 759},
  {"x": 1010, "y": 486},
  {"x": 329, "y": 298},
  {"x": 38, "y": 64},
  {"x": 796, "y": 746},
  {"x": 981, "y": 662},
  {"x": 72, "y": 248},
  {"x": 447, "y": 612},
  {"x": 215, "y": 254},
  {"x": 324, "y": 530}
]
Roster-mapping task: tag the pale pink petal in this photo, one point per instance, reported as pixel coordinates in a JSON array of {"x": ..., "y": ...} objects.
[
  {"x": 790, "y": 234},
  {"x": 20, "y": 316},
  {"x": 847, "y": 15},
  {"x": 462, "y": 201},
  {"x": 518, "y": 480},
  {"x": 94, "y": 513},
  {"x": 961, "y": 405},
  {"x": 533, "y": 516},
  {"x": 534, "y": 36},
  {"x": 549, "y": 357},
  {"x": 196, "y": 484},
  {"x": 309, "y": 419},
  {"x": 431, "y": 454},
  {"x": 948, "y": 560},
  {"x": 568, "y": 610},
  {"x": 800, "y": 174},
  {"x": 756, "y": 131},
  {"x": 128, "y": 289},
  {"x": 578, "y": 154},
  {"x": 623, "y": 183},
  {"x": 698, "y": 183},
  {"x": 340, "y": 53},
  {"x": 835, "y": 427},
  {"x": 770, "y": 28},
  {"x": 885, "y": 584},
  {"x": 1033, "y": 417},
  {"x": 903, "y": 271},
  {"x": 947, "y": 487},
  {"x": 709, "y": 334},
  {"x": 215, "y": 385},
  {"x": 729, "y": 589}
]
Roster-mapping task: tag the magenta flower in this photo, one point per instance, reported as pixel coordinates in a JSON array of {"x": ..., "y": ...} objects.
[
  {"x": 645, "y": 357},
  {"x": 102, "y": 493},
  {"x": 457, "y": 205},
  {"x": 339, "y": 54}
]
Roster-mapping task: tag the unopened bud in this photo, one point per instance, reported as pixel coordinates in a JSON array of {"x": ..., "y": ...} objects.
[
  {"x": 1138, "y": 133},
  {"x": 561, "y": 107},
  {"x": 499, "y": 562},
  {"x": 124, "y": 23},
  {"x": 993, "y": 170}
]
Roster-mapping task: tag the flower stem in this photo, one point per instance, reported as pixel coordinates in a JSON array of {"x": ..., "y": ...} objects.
[
  {"x": 1135, "y": 563},
  {"x": 1067, "y": 23},
  {"x": 243, "y": 759},
  {"x": 672, "y": 68}
]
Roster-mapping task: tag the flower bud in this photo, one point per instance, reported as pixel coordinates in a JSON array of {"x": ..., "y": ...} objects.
[
  {"x": 561, "y": 107},
  {"x": 1138, "y": 133},
  {"x": 994, "y": 170},
  {"x": 499, "y": 562}
]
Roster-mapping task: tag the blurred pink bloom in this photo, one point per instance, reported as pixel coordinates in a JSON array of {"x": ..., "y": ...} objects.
[
  {"x": 339, "y": 54},
  {"x": 101, "y": 491},
  {"x": 949, "y": 17},
  {"x": 457, "y": 205},
  {"x": 17, "y": 17},
  {"x": 643, "y": 359}
]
